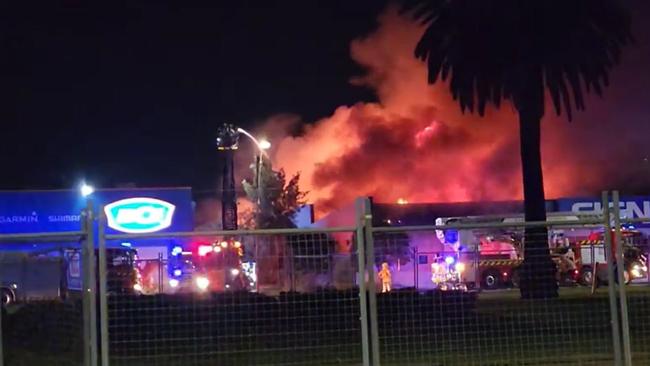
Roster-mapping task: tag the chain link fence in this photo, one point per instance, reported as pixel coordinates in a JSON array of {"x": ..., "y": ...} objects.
[
  {"x": 43, "y": 307},
  {"x": 469, "y": 291},
  {"x": 457, "y": 299},
  {"x": 633, "y": 250},
  {"x": 275, "y": 297}
]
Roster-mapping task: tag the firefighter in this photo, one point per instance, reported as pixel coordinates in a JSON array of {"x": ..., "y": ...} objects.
[
  {"x": 438, "y": 270},
  {"x": 385, "y": 277}
]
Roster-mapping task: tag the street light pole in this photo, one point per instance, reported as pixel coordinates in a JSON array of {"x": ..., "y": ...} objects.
[
  {"x": 262, "y": 146},
  {"x": 258, "y": 179}
]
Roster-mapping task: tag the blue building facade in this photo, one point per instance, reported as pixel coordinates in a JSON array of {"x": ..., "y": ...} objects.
[
  {"x": 60, "y": 210},
  {"x": 137, "y": 210}
]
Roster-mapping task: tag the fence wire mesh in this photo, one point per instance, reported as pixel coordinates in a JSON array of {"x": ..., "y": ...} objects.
[
  {"x": 42, "y": 316},
  {"x": 454, "y": 296},
  {"x": 636, "y": 252},
  {"x": 278, "y": 299}
]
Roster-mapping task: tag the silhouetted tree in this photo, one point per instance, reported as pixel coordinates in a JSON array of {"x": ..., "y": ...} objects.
[
  {"x": 277, "y": 202},
  {"x": 513, "y": 50}
]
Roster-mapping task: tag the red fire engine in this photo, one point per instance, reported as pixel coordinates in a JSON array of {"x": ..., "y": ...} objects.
[{"x": 592, "y": 254}]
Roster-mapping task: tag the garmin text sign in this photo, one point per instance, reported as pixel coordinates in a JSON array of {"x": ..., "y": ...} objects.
[{"x": 139, "y": 215}]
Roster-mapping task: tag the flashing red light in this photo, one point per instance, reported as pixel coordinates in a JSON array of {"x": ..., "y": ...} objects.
[
  {"x": 204, "y": 250},
  {"x": 505, "y": 274},
  {"x": 576, "y": 271}
]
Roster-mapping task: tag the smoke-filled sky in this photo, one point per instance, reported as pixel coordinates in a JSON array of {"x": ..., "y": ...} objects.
[
  {"x": 133, "y": 92},
  {"x": 415, "y": 144}
]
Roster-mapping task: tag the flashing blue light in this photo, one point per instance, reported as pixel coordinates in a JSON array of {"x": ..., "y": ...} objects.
[
  {"x": 177, "y": 251},
  {"x": 177, "y": 272},
  {"x": 451, "y": 236},
  {"x": 449, "y": 260},
  {"x": 128, "y": 245}
]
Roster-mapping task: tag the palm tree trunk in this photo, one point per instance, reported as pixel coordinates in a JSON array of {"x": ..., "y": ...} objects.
[{"x": 537, "y": 273}]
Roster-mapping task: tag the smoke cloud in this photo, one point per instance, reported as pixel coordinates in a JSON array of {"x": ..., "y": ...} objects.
[{"x": 415, "y": 143}]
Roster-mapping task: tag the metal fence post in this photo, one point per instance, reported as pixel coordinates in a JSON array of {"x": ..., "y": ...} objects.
[
  {"x": 84, "y": 285},
  {"x": 372, "y": 289},
  {"x": 361, "y": 278},
  {"x": 620, "y": 265},
  {"x": 613, "y": 309},
  {"x": 103, "y": 289},
  {"x": 2, "y": 357},
  {"x": 89, "y": 290}
]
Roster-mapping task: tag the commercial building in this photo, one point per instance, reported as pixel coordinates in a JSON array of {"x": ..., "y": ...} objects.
[{"x": 133, "y": 210}]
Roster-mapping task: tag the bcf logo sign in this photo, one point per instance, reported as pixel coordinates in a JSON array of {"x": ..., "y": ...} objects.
[{"x": 139, "y": 215}]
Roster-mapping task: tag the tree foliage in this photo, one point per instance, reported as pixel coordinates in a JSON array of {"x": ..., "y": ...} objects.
[
  {"x": 491, "y": 50},
  {"x": 277, "y": 200}
]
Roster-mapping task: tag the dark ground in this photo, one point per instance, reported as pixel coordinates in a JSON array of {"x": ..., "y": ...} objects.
[{"x": 496, "y": 328}]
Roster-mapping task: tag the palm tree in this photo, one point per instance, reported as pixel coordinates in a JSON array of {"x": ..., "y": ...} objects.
[{"x": 492, "y": 51}]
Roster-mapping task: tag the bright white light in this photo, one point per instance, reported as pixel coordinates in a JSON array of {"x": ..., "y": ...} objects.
[
  {"x": 234, "y": 272},
  {"x": 177, "y": 272},
  {"x": 204, "y": 250},
  {"x": 264, "y": 144},
  {"x": 460, "y": 267},
  {"x": 173, "y": 283},
  {"x": 177, "y": 251},
  {"x": 224, "y": 244},
  {"x": 449, "y": 260},
  {"x": 402, "y": 201},
  {"x": 137, "y": 287},
  {"x": 202, "y": 283},
  {"x": 86, "y": 190},
  {"x": 217, "y": 249}
]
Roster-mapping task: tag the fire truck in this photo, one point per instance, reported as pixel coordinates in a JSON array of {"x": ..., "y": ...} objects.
[
  {"x": 592, "y": 254},
  {"x": 492, "y": 256},
  {"x": 57, "y": 273},
  {"x": 447, "y": 274},
  {"x": 211, "y": 267}
]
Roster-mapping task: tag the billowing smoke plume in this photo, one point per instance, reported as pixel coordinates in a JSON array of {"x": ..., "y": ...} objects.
[{"x": 415, "y": 143}]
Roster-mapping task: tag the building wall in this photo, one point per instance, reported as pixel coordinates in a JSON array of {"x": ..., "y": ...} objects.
[{"x": 60, "y": 210}]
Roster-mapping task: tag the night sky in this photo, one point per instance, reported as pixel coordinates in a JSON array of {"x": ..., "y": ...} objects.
[{"x": 133, "y": 91}]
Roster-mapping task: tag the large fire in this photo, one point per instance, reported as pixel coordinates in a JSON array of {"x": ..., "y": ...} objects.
[{"x": 415, "y": 143}]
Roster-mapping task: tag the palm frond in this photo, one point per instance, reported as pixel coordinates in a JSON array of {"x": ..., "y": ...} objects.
[{"x": 491, "y": 50}]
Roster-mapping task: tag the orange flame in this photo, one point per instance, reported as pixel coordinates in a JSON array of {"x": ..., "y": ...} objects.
[{"x": 416, "y": 143}]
